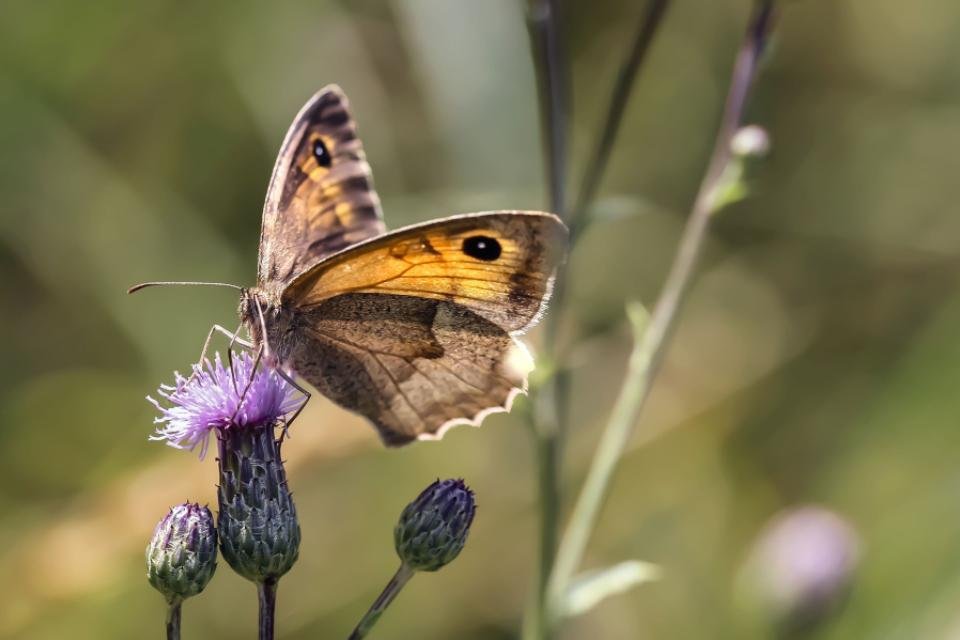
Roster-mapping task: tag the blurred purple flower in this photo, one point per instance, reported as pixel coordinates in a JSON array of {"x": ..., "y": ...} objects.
[
  {"x": 803, "y": 563},
  {"x": 209, "y": 399}
]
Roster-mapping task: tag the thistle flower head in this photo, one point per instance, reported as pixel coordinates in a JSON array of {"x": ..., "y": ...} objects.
[
  {"x": 182, "y": 555},
  {"x": 211, "y": 399},
  {"x": 257, "y": 519},
  {"x": 433, "y": 528}
]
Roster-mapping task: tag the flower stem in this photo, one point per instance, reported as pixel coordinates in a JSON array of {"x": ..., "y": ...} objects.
[
  {"x": 267, "y": 595},
  {"x": 397, "y": 582},
  {"x": 650, "y": 341},
  {"x": 173, "y": 620}
]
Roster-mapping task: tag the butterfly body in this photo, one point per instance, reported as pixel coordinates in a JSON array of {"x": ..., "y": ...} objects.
[{"x": 413, "y": 329}]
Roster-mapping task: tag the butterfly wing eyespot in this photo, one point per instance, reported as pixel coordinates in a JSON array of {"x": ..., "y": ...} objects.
[
  {"x": 321, "y": 154},
  {"x": 482, "y": 248}
]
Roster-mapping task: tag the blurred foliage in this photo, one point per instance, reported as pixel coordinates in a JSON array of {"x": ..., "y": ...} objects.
[{"x": 815, "y": 360}]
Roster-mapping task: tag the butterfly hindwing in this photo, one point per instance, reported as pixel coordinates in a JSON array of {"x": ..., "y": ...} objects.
[
  {"x": 413, "y": 366},
  {"x": 321, "y": 197}
]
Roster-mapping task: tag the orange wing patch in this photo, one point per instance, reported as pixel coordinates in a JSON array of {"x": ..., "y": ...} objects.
[{"x": 499, "y": 265}]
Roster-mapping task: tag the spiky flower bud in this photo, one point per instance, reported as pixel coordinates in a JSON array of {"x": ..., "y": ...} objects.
[
  {"x": 433, "y": 528},
  {"x": 259, "y": 531},
  {"x": 182, "y": 555}
]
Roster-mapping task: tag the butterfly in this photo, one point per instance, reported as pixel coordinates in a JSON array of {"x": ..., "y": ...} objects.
[{"x": 414, "y": 329}]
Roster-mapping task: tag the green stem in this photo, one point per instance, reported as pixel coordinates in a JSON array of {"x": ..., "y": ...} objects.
[
  {"x": 173, "y": 620},
  {"x": 397, "y": 582},
  {"x": 650, "y": 342},
  {"x": 267, "y": 595}
]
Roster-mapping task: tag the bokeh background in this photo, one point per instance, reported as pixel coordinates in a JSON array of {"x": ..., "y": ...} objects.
[{"x": 817, "y": 360}]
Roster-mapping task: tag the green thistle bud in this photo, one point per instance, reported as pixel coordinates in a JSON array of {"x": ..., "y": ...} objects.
[
  {"x": 182, "y": 555},
  {"x": 259, "y": 531},
  {"x": 433, "y": 528}
]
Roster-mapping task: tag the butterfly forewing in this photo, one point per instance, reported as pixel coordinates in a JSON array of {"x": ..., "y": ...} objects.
[
  {"x": 499, "y": 265},
  {"x": 321, "y": 197}
]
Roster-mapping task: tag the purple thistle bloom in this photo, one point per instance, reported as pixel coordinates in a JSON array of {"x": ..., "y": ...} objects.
[{"x": 208, "y": 400}]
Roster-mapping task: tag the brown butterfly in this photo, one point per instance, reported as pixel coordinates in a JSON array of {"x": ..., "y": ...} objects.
[{"x": 413, "y": 329}]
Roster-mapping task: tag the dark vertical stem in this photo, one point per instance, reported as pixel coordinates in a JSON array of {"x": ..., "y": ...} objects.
[
  {"x": 550, "y": 65},
  {"x": 173, "y": 620},
  {"x": 647, "y": 27},
  {"x": 549, "y": 407},
  {"x": 267, "y": 595},
  {"x": 548, "y": 410}
]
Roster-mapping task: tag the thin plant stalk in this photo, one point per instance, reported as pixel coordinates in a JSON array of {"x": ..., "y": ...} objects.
[
  {"x": 173, "y": 619},
  {"x": 549, "y": 63},
  {"x": 370, "y": 618},
  {"x": 596, "y": 167},
  {"x": 543, "y": 26},
  {"x": 649, "y": 348},
  {"x": 267, "y": 596}
]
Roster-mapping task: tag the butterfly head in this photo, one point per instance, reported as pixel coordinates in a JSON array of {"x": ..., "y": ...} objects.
[
  {"x": 261, "y": 318},
  {"x": 251, "y": 310}
]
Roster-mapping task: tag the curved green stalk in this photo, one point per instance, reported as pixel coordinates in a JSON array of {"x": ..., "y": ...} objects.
[
  {"x": 650, "y": 341},
  {"x": 370, "y": 618}
]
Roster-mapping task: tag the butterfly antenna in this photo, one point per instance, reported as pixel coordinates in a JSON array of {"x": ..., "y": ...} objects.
[{"x": 144, "y": 285}]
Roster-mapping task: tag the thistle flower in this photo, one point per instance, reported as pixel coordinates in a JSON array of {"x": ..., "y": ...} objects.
[
  {"x": 431, "y": 532},
  {"x": 259, "y": 531},
  {"x": 433, "y": 528},
  {"x": 210, "y": 399},
  {"x": 182, "y": 557},
  {"x": 257, "y": 520}
]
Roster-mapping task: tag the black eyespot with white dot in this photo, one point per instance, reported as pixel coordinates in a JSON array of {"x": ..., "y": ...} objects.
[
  {"x": 320, "y": 153},
  {"x": 482, "y": 248}
]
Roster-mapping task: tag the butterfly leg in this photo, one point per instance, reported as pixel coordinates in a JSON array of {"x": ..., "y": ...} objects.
[
  {"x": 234, "y": 338},
  {"x": 306, "y": 398},
  {"x": 246, "y": 388}
]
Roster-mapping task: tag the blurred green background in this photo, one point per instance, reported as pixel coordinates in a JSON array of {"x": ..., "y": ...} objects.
[{"x": 816, "y": 361}]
